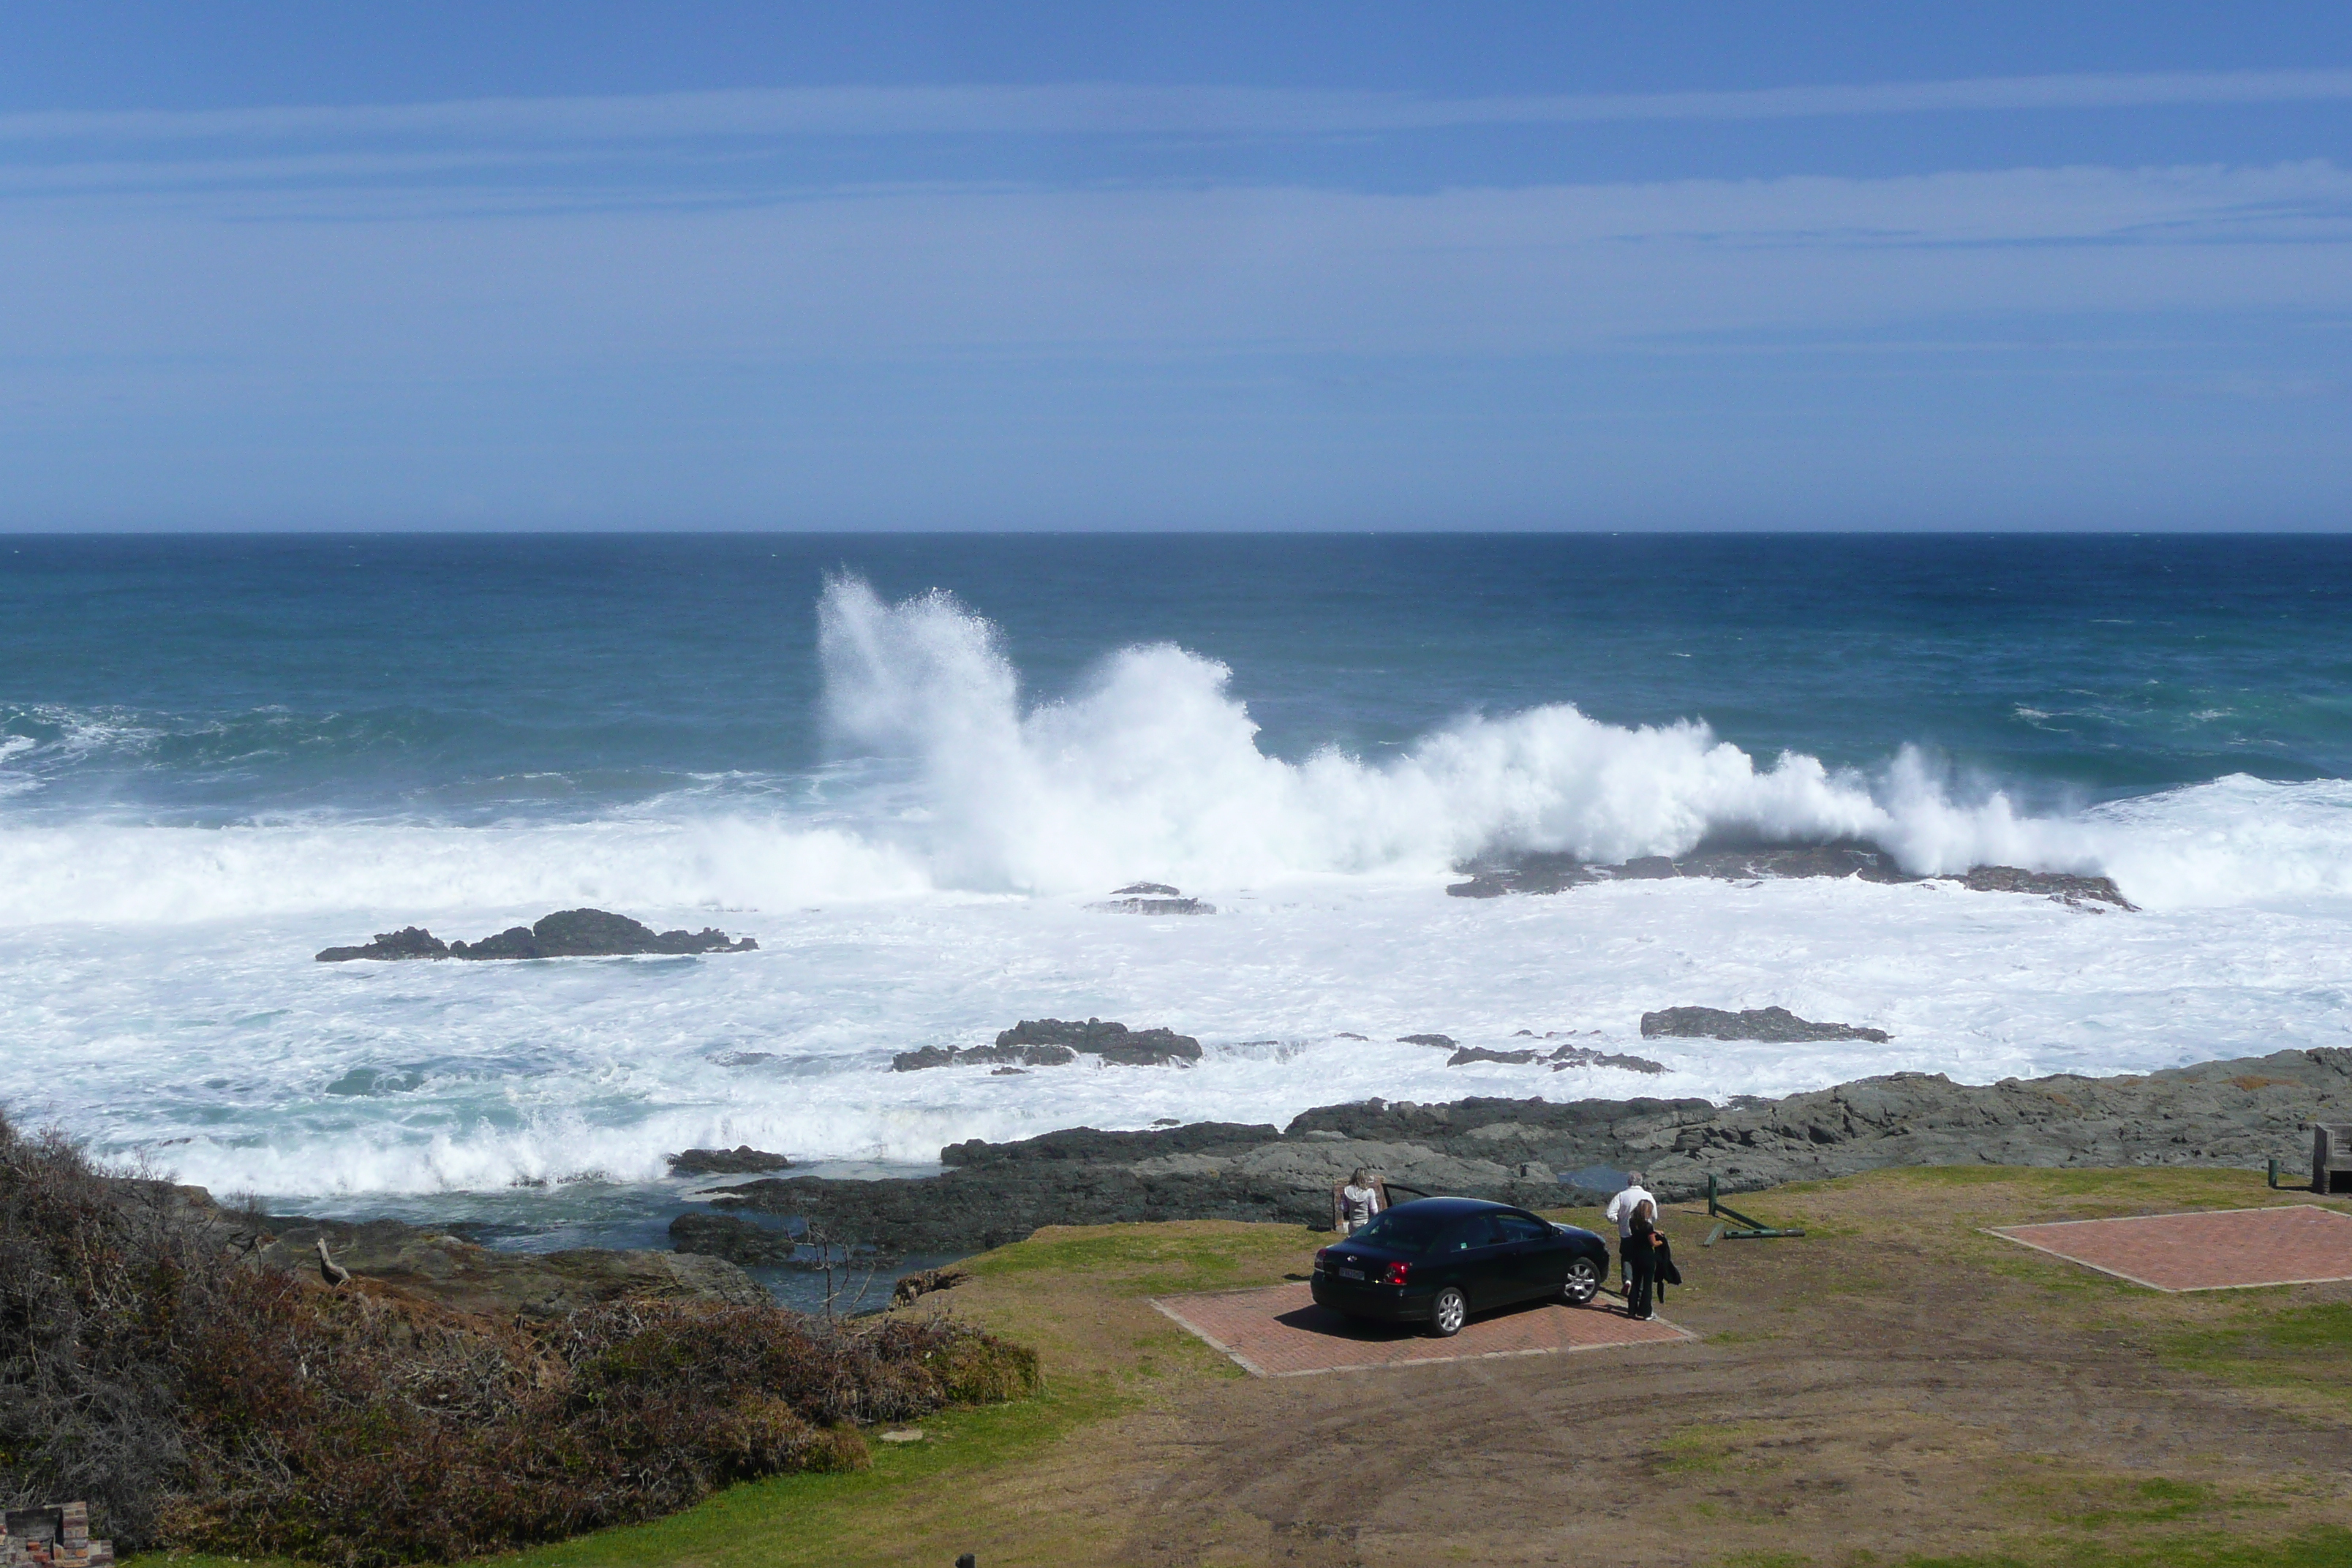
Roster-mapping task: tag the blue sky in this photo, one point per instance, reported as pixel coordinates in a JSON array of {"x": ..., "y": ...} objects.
[{"x": 1362, "y": 266}]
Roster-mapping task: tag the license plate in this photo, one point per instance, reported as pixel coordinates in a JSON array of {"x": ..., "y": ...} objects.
[{"x": 1351, "y": 1274}]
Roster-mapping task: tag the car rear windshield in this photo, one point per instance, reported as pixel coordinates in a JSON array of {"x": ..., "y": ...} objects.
[{"x": 1401, "y": 1230}]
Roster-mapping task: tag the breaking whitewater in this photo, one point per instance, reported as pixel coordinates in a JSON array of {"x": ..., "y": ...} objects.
[{"x": 955, "y": 871}]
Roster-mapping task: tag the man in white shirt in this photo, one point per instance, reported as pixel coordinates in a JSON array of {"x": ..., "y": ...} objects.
[{"x": 1634, "y": 1250}]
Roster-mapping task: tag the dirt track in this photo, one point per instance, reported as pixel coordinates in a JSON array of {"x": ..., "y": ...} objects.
[{"x": 1895, "y": 1384}]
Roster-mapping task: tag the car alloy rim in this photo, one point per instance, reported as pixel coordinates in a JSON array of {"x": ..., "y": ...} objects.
[
  {"x": 1449, "y": 1310},
  {"x": 1581, "y": 1280}
]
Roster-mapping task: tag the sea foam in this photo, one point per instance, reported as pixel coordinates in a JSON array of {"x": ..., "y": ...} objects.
[{"x": 1153, "y": 769}]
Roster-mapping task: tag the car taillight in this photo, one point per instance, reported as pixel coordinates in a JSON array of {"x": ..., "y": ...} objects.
[
  {"x": 1396, "y": 1273},
  {"x": 1322, "y": 1257}
]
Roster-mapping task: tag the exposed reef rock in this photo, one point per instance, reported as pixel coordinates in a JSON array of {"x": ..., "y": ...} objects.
[
  {"x": 980, "y": 1055},
  {"x": 408, "y": 942},
  {"x": 737, "y": 1240},
  {"x": 1154, "y": 907},
  {"x": 1443, "y": 1042},
  {"x": 1568, "y": 1056},
  {"x": 1540, "y": 871},
  {"x": 740, "y": 1160},
  {"x": 471, "y": 1278},
  {"x": 1154, "y": 890},
  {"x": 2057, "y": 885},
  {"x": 1561, "y": 1060},
  {"x": 567, "y": 933},
  {"x": 1776, "y": 1024},
  {"x": 1469, "y": 1054},
  {"x": 2235, "y": 1113},
  {"x": 1053, "y": 1042},
  {"x": 1112, "y": 1042}
]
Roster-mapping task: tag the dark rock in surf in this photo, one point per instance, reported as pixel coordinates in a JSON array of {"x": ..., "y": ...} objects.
[
  {"x": 1775, "y": 1024},
  {"x": 740, "y": 1160},
  {"x": 1536, "y": 871},
  {"x": 1443, "y": 1042},
  {"x": 1568, "y": 1056},
  {"x": 1154, "y": 907},
  {"x": 1152, "y": 890},
  {"x": 595, "y": 934},
  {"x": 1469, "y": 1054},
  {"x": 567, "y": 933},
  {"x": 408, "y": 942},
  {"x": 1544, "y": 872},
  {"x": 982, "y": 1056},
  {"x": 739, "y": 1241},
  {"x": 1539, "y": 871},
  {"x": 1114, "y": 1042},
  {"x": 2057, "y": 885}
]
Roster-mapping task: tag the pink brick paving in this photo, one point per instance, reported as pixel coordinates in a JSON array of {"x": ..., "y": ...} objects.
[
  {"x": 1280, "y": 1332},
  {"x": 2300, "y": 1244}
]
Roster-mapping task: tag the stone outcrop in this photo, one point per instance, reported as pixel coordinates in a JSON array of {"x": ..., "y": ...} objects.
[
  {"x": 467, "y": 1277},
  {"x": 727, "y": 1236},
  {"x": 998, "y": 1057},
  {"x": 408, "y": 942},
  {"x": 1154, "y": 906},
  {"x": 567, "y": 933},
  {"x": 2235, "y": 1113},
  {"x": 1568, "y": 1056},
  {"x": 1541, "y": 871},
  {"x": 740, "y": 1160},
  {"x": 1561, "y": 1059},
  {"x": 1113, "y": 1042},
  {"x": 1775, "y": 1024},
  {"x": 1056, "y": 1042},
  {"x": 2058, "y": 885}
]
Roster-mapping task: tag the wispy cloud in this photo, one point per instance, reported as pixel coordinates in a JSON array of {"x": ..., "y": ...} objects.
[{"x": 1110, "y": 109}]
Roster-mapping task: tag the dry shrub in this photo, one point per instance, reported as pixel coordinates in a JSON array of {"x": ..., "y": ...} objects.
[{"x": 202, "y": 1401}]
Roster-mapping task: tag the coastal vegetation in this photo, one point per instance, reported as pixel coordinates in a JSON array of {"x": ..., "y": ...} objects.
[
  {"x": 200, "y": 1397},
  {"x": 1899, "y": 1387}
]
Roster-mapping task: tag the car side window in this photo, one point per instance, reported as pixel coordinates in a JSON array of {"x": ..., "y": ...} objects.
[
  {"x": 1519, "y": 1227},
  {"x": 1465, "y": 1235}
]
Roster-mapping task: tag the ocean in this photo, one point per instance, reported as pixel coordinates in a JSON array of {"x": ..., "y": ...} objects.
[{"x": 910, "y": 766}]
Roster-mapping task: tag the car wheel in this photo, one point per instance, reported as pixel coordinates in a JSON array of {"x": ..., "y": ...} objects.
[
  {"x": 1447, "y": 1313},
  {"x": 1582, "y": 1284}
]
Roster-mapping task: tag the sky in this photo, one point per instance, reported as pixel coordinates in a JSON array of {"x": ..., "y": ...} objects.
[{"x": 1366, "y": 266}]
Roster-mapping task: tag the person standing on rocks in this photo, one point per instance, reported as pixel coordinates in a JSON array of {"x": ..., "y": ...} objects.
[{"x": 1635, "y": 1210}]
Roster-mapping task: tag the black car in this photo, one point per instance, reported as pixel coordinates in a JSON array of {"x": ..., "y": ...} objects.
[{"x": 1438, "y": 1260}]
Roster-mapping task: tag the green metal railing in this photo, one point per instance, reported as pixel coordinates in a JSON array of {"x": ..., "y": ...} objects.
[{"x": 1743, "y": 1227}]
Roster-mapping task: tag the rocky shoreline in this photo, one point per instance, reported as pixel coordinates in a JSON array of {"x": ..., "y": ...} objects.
[{"x": 1532, "y": 1152}]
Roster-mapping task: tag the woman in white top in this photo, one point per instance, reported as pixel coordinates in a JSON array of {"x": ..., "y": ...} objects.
[{"x": 1359, "y": 1200}]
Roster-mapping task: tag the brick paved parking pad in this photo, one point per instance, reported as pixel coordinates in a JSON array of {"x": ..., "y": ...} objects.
[
  {"x": 2298, "y": 1243},
  {"x": 1280, "y": 1332}
]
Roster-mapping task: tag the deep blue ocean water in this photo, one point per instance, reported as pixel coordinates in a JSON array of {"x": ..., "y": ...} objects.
[{"x": 466, "y": 678}]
